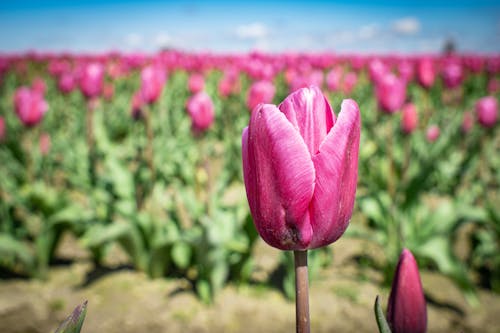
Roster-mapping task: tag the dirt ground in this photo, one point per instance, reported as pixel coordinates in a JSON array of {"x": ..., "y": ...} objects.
[{"x": 123, "y": 300}]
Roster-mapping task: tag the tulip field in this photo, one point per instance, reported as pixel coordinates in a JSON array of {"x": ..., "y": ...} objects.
[{"x": 199, "y": 169}]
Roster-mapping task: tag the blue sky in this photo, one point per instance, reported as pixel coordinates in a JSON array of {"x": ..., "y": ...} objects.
[{"x": 233, "y": 26}]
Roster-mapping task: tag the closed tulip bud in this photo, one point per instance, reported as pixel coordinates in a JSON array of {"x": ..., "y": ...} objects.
[
  {"x": 300, "y": 167},
  {"x": 201, "y": 110},
  {"x": 137, "y": 105},
  {"x": 92, "y": 80},
  {"x": 196, "y": 83},
  {"x": 66, "y": 82},
  {"x": 30, "y": 106},
  {"x": 452, "y": 75},
  {"x": 407, "y": 310},
  {"x": 426, "y": 73},
  {"x": 260, "y": 92},
  {"x": 409, "y": 118},
  {"x": 153, "y": 79},
  {"x": 432, "y": 133},
  {"x": 487, "y": 111},
  {"x": 391, "y": 93}
]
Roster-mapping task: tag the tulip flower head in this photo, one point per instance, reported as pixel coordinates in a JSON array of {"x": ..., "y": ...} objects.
[
  {"x": 426, "y": 73},
  {"x": 66, "y": 82},
  {"x": 201, "y": 110},
  {"x": 260, "y": 92},
  {"x": 196, "y": 83},
  {"x": 300, "y": 168},
  {"x": 391, "y": 93},
  {"x": 487, "y": 111},
  {"x": 30, "y": 106},
  {"x": 92, "y": 80},
  {"x": 432, "y": 133},
  {"x": 409, "y": 118},
  {"x": 406, "y": 310},
  {"x": 152, "y": 81}
]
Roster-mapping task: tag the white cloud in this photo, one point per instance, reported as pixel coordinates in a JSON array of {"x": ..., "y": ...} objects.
[
  {"x": 368, "y": 31},
  {"x": 406, "y": 26},
  {"x": 133, "y": 39},
  {"x": 162, "y": 39},
  {"x": 252, "y": 31}
]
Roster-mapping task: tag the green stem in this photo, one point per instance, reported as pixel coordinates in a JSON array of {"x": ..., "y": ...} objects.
[{"x": 301, "y": 292}]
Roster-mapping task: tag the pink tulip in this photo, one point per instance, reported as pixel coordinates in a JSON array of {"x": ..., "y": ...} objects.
[
  {"x": 92, "y": 80},
  {"x": 487, "y": 111},
  {"x": 467, "y": 122},
  {"x": 153, "y": 79},
  {"x": 108, "y": 91},
  {"x": 349, "y": 83},
  {"x": 333, "y": 79},
  {"x": 493, "y": 86},
  {"x": 406, "y": 310},
  {"x": 391, "y": 93},
  {"x": 66, "y": 82},
  {"x": 3, "y": 130},
  {"x": 409, "y": 118},
  {"x": 377, "y": 70},
  {"x": 201, "y": 110},
  {"x": 196, "y": 83},
  {"x": 426, "y": 73},
  {"x": 432, "y": 133},
  {"x": 30, "y": 106},
  {"x": 39, "y": 85},
  {"x": 452, "y": 75},
  {"x": 260, "y": 92},
  {"x": 137, "y": 105},
  {"x": 300, "y": 168},
  {"x": 44, "y": 144}
]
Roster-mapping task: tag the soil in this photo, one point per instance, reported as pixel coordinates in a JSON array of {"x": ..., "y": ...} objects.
[{"x": 123, "y": 300}]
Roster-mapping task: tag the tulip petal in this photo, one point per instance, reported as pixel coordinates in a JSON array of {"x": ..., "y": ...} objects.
[
  {"x": 279, "y": 178},
  {"x": 336, "y": 167},
  {"x": 310, "y": 113}
]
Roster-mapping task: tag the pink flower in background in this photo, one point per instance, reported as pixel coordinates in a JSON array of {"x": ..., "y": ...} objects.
[
  {"x": 153, "y": 78},
  {"x": 377, "y": 70},
  {"x": 201, "y": 110},
  {"x": 196, "y": 83},
  {"x": 300, "y": 167},
  {"x": 108, "y": 91},
  {"x": 92, "y": 80},
  {"x": 260, "y": 92},
  {"x": 407, "y": 310},
  {"x": 493, "y": 85},
  {"x": 229, "y": 83},
  {"x": 452, "y": 74},
  {"x": 30, "y": 106},
  {"x": 349, "y": 82},
  {"x": 432, "y": 133},
  {"x": 467, "y": 122},
  {"x": 66, "y": 83},
  {"x": 137, "y": 105},
  {"x": 391, "y": 93},
  {"x": 409, "y": 118},
  {"x": 487, "y": 111},
  {"x": 44, "y": 144},
  {"x": 406, "y": 70},
  {"x": 38, "y": 85},
  {"x": 426, "y": 73},
  {"x": 3, "y": 129},
  {"x": 333, "y": 79}
]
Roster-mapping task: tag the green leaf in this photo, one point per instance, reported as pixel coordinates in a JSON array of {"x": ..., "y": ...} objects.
[
  {"x": 383, "y": 326},
  {"x": 98, "y": 235},
  {"x": 203, "y": 289},
  {"x": 17, "y": 251},
  {"x": 181, "y": 254},
  {"x": 74, "y": 322}
]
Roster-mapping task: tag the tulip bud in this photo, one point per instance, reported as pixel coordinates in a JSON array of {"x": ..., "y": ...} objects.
[
  {"x": 152, "y": 81},
  {"x": 406, "y": 310},
  {"x": 391, "y": 93},
  {"x": 487, "y": 111},
  {"x": 196, "y": 83},
  {"x": 426, "y": 72},
  {"x": 66, "y": 82},
  {"x": 30, "y": 106},
  {"x": 409, "y": 118},
  {"x": 300, "y": 166},
  {"x": 92, "y": 80},
  {"x": 201, "y": 110},
  {"x": 137, "y": 105},
  {"x": 432, "y": 133},
  {"x": 260, "y": 92},
  {"x": 452, "y": 75}
]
